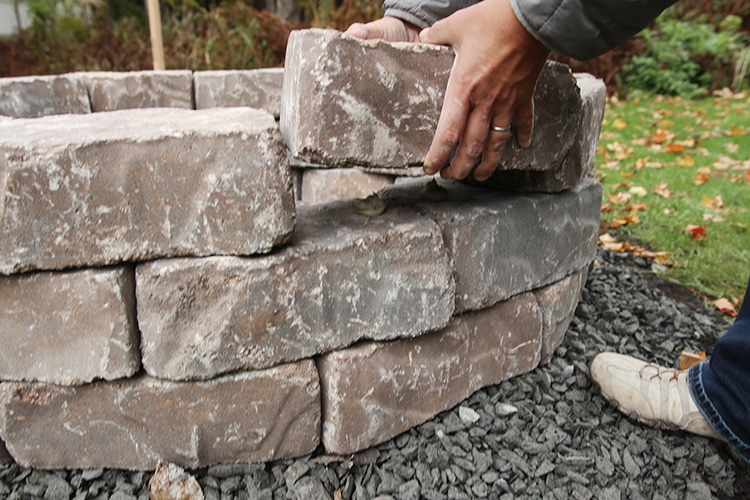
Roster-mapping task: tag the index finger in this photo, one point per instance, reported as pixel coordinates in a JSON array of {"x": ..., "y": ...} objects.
[{"x": 451, "y": 123}]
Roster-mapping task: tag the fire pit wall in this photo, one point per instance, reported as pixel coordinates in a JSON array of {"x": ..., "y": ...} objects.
[{"x": 165, "y": 295}]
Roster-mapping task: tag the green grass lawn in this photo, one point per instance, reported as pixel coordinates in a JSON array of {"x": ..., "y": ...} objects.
[{"x": 676, "y": 177}]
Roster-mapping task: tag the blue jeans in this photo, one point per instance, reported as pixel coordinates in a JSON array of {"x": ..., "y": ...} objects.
[{"x": 721, "y": 387}]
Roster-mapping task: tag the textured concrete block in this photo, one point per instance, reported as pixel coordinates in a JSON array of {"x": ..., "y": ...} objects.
[
  {"x": 320, "y": 186},
  {"x": 35, "y": 96},
  {"x": 344, "y": 277},
  {"x": 111, "y": 91},
  {"x": 141, "y": 184},
  {"x": 132, "y": 424},
  {"x": 374, "y": 391},
  {"x": 502, "y": 244},
  {"x": 381, "y": 101},
  {"x": 594, "y": 99},
  {"x": 255, "y": 88},
  {"x": 558, "y": 303},
  {"x": 69, "y": 328},
  {"x": 378, "y": 100},
  {"x": 578, "y": 163}
]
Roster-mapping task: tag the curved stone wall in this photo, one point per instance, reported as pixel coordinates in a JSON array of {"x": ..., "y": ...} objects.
[{"x": 173, "y": 287}]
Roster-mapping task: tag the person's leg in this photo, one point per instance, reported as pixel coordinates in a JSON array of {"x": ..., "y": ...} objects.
[
  {"x": 711, "y": 399},
  {"x": 721, "y": 387},
  {"x": 652, "y": 394}
]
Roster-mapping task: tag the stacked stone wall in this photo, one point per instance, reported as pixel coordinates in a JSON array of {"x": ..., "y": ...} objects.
[{"x": 175, "y": 287}]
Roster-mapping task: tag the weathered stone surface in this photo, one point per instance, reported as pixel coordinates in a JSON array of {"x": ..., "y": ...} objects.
[
  {"x": 579, "y": 161},
  {"x": 381, "y": 102},
  {"x": 133, "y": 424},
  {"x": 111, "y": 91},
  {"x": 594, "y": 99},
  {"x": 171, "y": 482},
  {"x": 296, "y": 163},
  {"x": 255, "y": 88},
  {"x": 558, "y": 107},
  {"x": 35, "y": 96},
  {"x": 398, "y": 172},
  {"x": 558, "y": 303},
  {"x": 502, "y": 244},
  {"x": 141, "y": 184},
  {"x": 344, "y": 277},
  {"x": 374, "y": 391},
  {"x": 320, "y": 186},
  {"x": 69, "y": 328}
]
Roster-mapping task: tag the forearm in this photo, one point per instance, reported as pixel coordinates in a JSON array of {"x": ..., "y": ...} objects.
[{"x": 583, "y": 29}]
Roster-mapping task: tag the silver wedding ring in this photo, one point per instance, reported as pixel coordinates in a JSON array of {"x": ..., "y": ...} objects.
[{"x": 493, "y": 128}]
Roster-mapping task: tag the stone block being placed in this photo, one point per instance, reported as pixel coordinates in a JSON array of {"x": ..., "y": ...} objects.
[
  {"x": 35, "y": 96},
  {"x": 594, "y": 99},
  {"x": 133, "y": 424},
  {"x": 381, "y": 101},
  {"x": 255, "y": 88},
  {"x": 374, "y": 391},
  {"x": 142, "y": 184},
  {"x": 112, "y": 91},
  {"x": 343, "y": 277},
  {"x": 501, "y": 243},
  {"x": 320, "y": 186},
  {"x": 69, "y": 328},
  {"x": 578, "y": 163}
]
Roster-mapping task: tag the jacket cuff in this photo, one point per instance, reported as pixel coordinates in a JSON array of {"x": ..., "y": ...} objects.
[{"x": 424, "y": 13}]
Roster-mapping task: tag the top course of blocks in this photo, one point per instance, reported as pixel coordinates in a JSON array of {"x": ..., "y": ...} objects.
[{"x": 372, "y": 103}]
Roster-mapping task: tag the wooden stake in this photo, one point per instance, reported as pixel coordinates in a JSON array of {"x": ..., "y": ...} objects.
[{"x": 154, "y": 24}]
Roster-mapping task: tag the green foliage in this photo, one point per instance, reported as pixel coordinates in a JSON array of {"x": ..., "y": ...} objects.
[
  {"x": 232, "y": 36},
  {"x": 686, "y": 58},
  {"x": 83, "y": 35},
  {"x": 678, "y": 163},
  {"x": 58, "y": 27},
  {"x": 120, "y": 9}
]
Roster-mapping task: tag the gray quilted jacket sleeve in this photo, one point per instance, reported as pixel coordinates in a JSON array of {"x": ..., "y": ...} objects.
[
  {"x": 423, "y": 13},
  {"x": 586, "y": 28},
  {"x": 581, "y": 29}
]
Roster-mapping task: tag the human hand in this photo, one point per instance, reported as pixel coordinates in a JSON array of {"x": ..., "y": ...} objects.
[
  {"x": 491, "y": 84},
  {"x": 391, "y": 29}
]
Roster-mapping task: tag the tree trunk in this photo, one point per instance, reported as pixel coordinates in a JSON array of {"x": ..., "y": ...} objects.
[{"x": 17, "y": 12}]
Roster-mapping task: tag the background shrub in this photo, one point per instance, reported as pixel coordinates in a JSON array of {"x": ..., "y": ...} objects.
[{"x": 688, "y": 58}]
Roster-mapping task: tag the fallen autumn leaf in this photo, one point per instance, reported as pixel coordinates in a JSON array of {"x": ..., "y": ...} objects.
[
  {"x": 697, "y": 233},
  {"x": 725, "y": 306},
  {"x": 690, "y": 359},
  {"x": 662, "y": 189}
]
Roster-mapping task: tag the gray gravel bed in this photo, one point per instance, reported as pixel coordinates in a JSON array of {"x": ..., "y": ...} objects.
[{"x": 546, "y": 434}]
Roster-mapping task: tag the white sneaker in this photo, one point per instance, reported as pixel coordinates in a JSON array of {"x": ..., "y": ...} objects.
[{"x": 651, "y": 394}]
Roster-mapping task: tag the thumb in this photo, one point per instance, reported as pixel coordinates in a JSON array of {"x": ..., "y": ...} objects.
[{"x": 437, "y": 34}]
